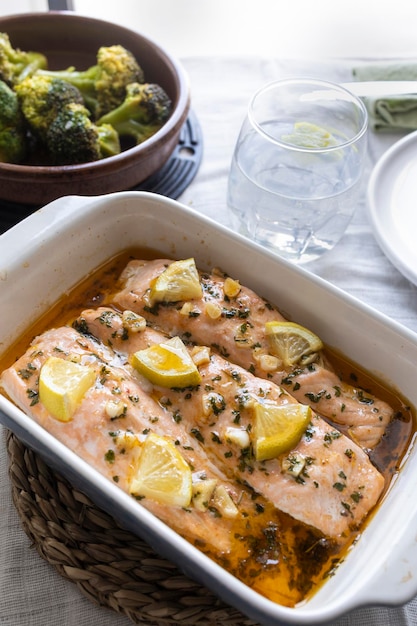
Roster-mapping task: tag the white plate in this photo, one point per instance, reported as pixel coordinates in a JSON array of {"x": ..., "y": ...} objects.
[{"x": 392, "y": 205}]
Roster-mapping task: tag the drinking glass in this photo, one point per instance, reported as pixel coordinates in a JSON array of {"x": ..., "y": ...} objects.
[{"x": 295, "y": 175}]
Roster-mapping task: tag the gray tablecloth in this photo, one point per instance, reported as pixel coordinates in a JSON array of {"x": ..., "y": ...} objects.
[{"x": 31, "y": 592}]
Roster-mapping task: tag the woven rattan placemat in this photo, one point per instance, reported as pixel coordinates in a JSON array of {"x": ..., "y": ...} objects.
[{"x": 110, "y": 566}]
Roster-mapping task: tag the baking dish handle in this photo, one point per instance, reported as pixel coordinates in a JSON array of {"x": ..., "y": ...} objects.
[{"x": 393, "y": 584}]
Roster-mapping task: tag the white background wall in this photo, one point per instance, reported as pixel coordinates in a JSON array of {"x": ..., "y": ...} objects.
[{"x": 286, "y": 28}]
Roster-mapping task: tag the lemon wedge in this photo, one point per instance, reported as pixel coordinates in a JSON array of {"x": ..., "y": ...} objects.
[
  {"x": 167, "y": 364},
  {"x": 62, "y": 385},
  {"x": 179, "y": 281},
  {"x": 291, "y": 342},
  {"x": 278, "y": 428},
  {"x": 162, "y": 473},
  {"x": 307, "y": 135}
]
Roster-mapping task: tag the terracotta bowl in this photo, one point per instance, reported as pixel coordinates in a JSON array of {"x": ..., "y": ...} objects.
[{"x": 69, "y": 39}]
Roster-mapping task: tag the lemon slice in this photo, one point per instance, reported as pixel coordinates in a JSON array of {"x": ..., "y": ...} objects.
[
  {"x": 162, "y": 473},
  {"x": 291, "y": 342},
  {"x": 167, "y": 364},
  {"x": 62, "y": 385},
  {"x": 278, "y": 428},
  {"x": 179, "y": 281},
  {"x": 307, "y": 135}
]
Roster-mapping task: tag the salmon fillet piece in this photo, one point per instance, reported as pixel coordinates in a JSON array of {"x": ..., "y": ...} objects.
[
  {"x": 239, "y": 335},
  {"x": 335, "y": 486},
  {"x": 92, "y": 432},
  {"x": 289, "y": 559}
]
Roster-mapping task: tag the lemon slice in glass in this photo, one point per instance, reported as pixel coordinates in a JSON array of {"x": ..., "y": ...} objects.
[
  {"x": 167, "y": 364},
  {"x": 291, "y": 342},
  {"x": 162, "y": 473},
  {"x": 278, "y": 428},
  {"x": 179, "y": 281},
  {"x": 308, "y": 135},
  {"x": 62, "y": 385}
]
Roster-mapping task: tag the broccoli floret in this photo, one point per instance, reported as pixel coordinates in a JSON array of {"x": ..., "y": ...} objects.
[
  {"x": 103, "y": 85},
  {"x": 73, "y": 138},
  {"x": 143, "y": 112},
  {"x": 42, "y": 97},
  {"x": 12, "y": 127},
  {"x": 15, "y": 64}
]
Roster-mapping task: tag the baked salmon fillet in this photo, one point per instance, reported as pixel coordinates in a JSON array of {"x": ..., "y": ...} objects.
[
  {"x": 110, "y": 423},
  {"x": 326, "y": 481},
  {"x": 234, "y": 326},
  {"x": 226, "y": 519}
]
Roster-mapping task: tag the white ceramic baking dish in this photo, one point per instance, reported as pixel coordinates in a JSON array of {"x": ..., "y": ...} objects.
[{"x": 45, "y": 255}]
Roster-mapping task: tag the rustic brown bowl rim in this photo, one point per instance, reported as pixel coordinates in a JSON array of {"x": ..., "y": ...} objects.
[{"x": 180, "y": 109}]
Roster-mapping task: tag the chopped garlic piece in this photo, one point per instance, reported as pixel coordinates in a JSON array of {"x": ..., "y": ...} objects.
[
  {"x": 268, "y": 363},
  {"x": 242, "y": 337},
  {"x": 186, "y": 309},
  {"x": 133, "y": 322},
  {"x": 147, "y": 297},
  {"x": 200, "y": 355},
  {"x": 202, "y": 493},
  {"x": 247, "y": 401},
  {"x": 224, "y": 503},
  {"x": 84, "y": 359},
  {"x": 127, "y": 439},
  {"x": 294, "y": 464},
  {"x": 238, "y": 436},
  {"x": 231, "y": 287},
  {"x": 212, "y": 403},
  {"x": 115, "y": 409},
  {"x": 213, "y": 310}
]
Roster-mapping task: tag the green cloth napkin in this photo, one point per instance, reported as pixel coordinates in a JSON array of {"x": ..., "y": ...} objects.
[{"x": 391, "y": 112}]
